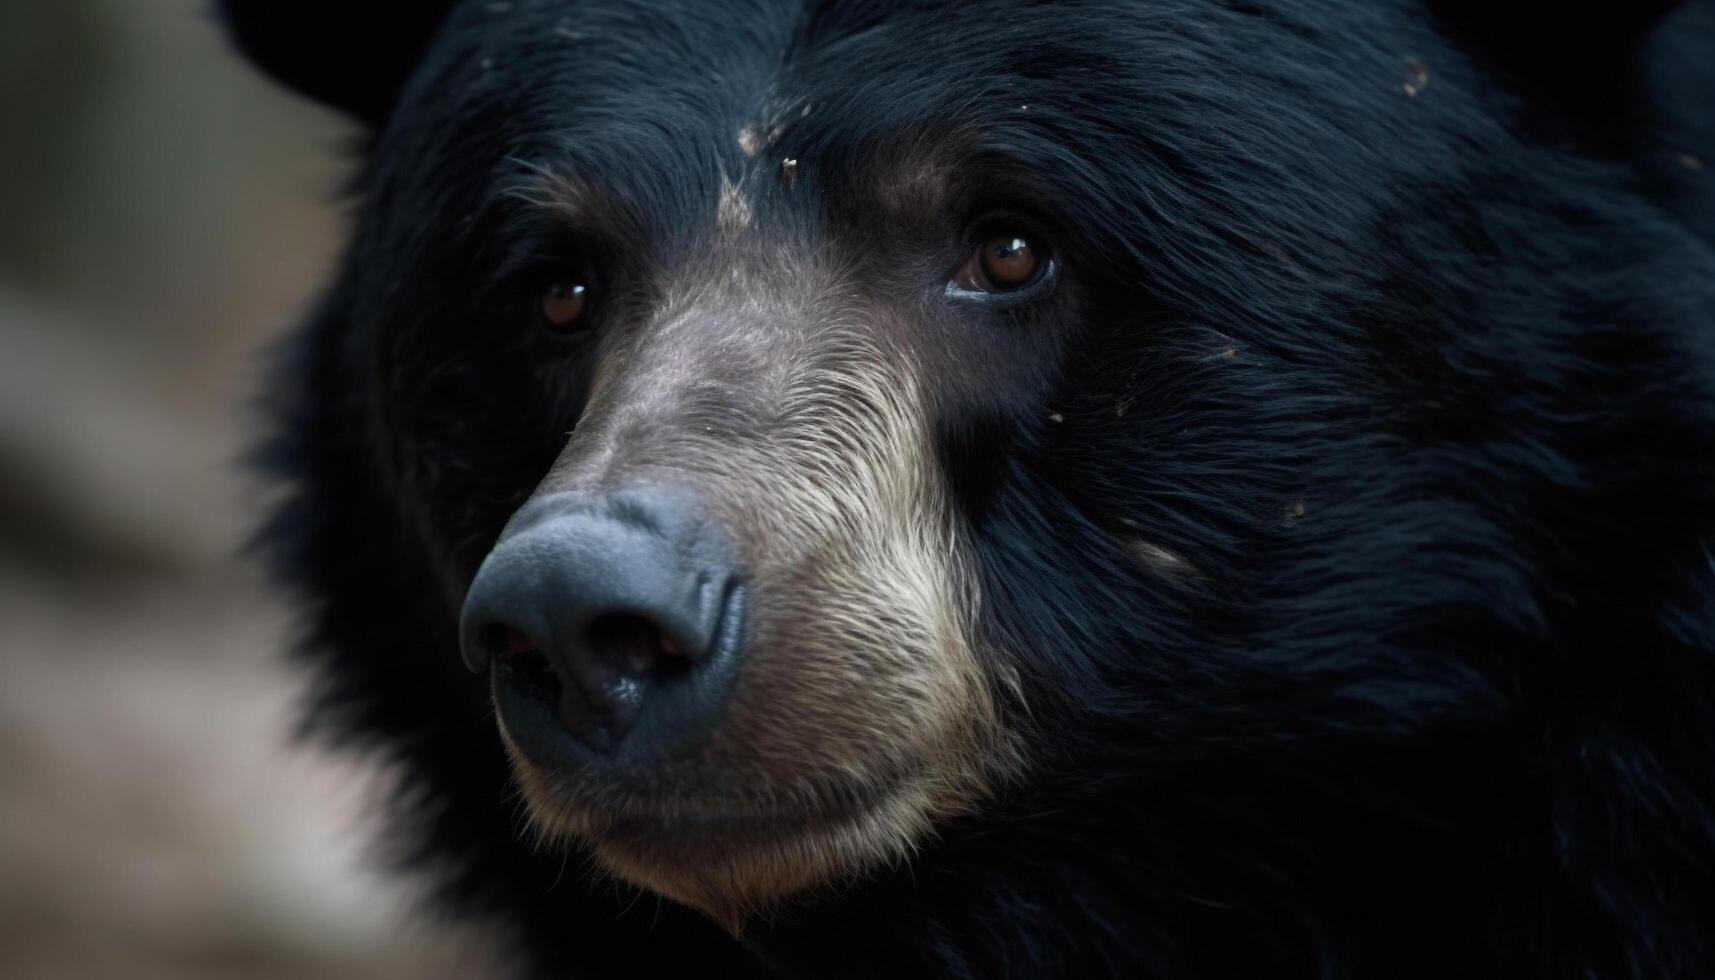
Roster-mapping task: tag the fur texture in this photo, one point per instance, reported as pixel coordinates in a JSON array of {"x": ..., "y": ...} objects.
[{"x": 1338, "y": 541}]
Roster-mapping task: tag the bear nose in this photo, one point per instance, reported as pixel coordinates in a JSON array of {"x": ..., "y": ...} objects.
[{"x": 612, "y": 621}]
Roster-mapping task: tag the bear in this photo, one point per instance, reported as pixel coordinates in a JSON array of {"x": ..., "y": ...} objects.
[{"x": 1118, "y": 488}]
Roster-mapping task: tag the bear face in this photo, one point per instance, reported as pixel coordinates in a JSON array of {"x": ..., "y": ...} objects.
[{"x": 1106, "y": 487}]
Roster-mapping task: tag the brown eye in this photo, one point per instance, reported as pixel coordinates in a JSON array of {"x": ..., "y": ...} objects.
[
  {"x": 564, "y": 305},
  {"x": 1001, "y": 264}
]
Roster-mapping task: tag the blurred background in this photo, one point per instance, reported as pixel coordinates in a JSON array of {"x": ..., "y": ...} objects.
[{"x": 164, "y": 215}]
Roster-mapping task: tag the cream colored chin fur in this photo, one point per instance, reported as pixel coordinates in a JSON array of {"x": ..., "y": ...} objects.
[
  {"x": 732, "y": 881},
  {"x": 737, "y": 881}
]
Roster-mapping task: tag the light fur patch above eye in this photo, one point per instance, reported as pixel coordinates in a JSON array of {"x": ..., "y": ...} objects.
[{"x": 553, "y": 191}]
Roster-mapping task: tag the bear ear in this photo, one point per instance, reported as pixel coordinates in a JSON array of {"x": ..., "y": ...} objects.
[{"x": 354, "y": 55}]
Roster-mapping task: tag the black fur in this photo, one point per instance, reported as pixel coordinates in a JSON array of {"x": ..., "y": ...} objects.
[
  {"x": 1422, "y": 383},
  {"x": 355, "y": 56}
]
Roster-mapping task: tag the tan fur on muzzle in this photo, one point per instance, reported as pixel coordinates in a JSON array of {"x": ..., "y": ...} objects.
[{"x": 865, "y": 713}]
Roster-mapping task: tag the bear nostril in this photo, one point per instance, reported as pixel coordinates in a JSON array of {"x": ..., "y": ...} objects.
[
  {"x": 510, "y": 651},
  {"x": 500, "y": 642}
]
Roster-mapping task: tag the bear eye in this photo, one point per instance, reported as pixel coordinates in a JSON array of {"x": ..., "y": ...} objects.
[
  {"x": 565, "y": 306},
  {"x": 1009, "y": 262}
]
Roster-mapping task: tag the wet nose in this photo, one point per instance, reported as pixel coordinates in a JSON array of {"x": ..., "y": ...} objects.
[{"x": 610, "y": 624}]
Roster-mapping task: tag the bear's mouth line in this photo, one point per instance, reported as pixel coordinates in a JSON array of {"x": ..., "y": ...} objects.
[
  {"x": 695, "y": 827},
  {"x": 560, "y": 802}
]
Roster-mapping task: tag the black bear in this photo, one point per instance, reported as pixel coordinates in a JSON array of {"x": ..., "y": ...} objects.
[{"x": 1127, "y": 488}]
